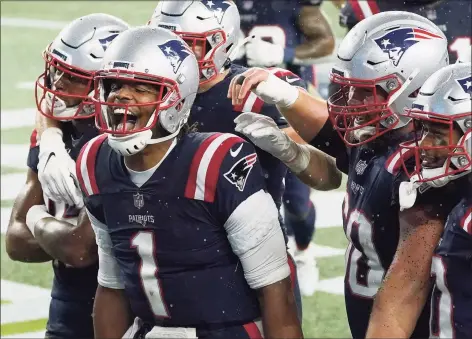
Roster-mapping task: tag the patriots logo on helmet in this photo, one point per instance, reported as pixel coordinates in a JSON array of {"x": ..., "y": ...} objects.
[
  {"x": 105, "y": 42},
  {"x": 239, "y": 173},
  {"x": 466, "y": 84},
  {"x": 397, "y": 41},
  {"x": 218, "y": 7},
  {"x": 176, "y": 52}
]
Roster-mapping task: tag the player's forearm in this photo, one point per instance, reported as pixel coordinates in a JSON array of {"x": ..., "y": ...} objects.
[
  {"x": 405, "y": 289},
  {"x": 321, "y": 173},
  {"x": 67, "y": 243},
  {"x": 43, "y": 123},
  {"x": 398, "y": 305},
  {"x": 279, "y": 312},
  {"x": 307, "y": 115},
  {"x": 22, "y": 246},
  {"x": 111, "y": 316}
]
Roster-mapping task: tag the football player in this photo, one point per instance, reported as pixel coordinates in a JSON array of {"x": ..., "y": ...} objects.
[
  {"x": 290, "y": 34},
  {"x": 452, "y": 17},
  {"x": 443, "y": 153},
  {"x": 173, "y": 212},
  {"x": 214, "y": 40},
  {"x": 382, "y": 63},
  {"x": 40, "y": 229}
]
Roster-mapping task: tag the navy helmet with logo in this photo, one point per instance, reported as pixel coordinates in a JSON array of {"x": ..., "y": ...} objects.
[
  {"x": 382, "y": 62},
  {"x": 71, "y": 59},
  {"x": 147, "y": 56},
  {"x": 445, "y": 99}
]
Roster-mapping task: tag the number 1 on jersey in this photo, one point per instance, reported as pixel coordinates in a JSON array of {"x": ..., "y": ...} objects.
[{"x": 146, "y": 247}]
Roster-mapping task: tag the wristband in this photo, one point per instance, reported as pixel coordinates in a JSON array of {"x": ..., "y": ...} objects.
[{"x": 35, "y": 214}]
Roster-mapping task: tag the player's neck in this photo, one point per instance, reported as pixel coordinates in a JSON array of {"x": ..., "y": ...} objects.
[
  {"x": 205, "y": 87},
  {"x": 148, "y": 157}
]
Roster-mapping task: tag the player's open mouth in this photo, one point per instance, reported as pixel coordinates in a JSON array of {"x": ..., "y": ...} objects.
[
  {"x": 119, "y": 117},
  {"x": 431, "y": 162}
]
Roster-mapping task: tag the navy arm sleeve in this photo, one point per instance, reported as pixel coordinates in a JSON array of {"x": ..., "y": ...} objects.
[
  {"x": 329, "y": 141},
  {"x": 33, "y": 153}
]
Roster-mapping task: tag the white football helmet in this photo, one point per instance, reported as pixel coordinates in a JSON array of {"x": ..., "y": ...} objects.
[
  {"x": 149, "y": 56},
  {"x": 70, "y": 62},
  {"x": 210, "y": 28},
  {"x": 444, "y": 99},
  {"x": 465, "y": 55},
  {"x": 389, "y": 55}
]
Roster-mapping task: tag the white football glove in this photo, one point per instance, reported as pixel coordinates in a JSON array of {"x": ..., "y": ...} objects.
[
  {"x": 263, "y": 53},
  {"x": 265, "y": 134},
  {"x": 56, "y": 170}
]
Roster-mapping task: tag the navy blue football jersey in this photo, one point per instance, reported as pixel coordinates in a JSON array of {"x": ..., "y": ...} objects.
[
  {"x": 168, "y": 237},
  {"x": 451, "y": 301},
  {"x": 212, "y": 111},
  {"x": 452, "y": 17},
  {"x": 370, "y": 219},
  {"x": 277, "y": 21},
  {"x": 69, "y": 283}
]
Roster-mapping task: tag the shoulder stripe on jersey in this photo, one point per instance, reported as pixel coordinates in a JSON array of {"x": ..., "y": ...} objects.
[
  {"x": 206, "y": 163},
  {"x": 394, "y": 161},
  {"x": 254, "y": 330},
  {"x": 34, "y": 139},
  {"x": 281, "y": 72},
  {"x": 86, "y": 165},
  {"x": 364, "y": 8},
  {"x": 251, "y": 103},
  {"x": 466, "y": 222}
]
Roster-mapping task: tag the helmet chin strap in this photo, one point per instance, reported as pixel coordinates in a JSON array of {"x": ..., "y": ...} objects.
[
  {"x": 362, "y": 132},
  {"x": 58, "y": 106}
]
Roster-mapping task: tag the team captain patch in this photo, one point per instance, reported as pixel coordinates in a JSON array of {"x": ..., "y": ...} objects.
[{"x": 239, "y": 173}]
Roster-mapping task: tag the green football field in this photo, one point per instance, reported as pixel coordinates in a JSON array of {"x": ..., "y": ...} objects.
[{"x": 26, "y": 28}]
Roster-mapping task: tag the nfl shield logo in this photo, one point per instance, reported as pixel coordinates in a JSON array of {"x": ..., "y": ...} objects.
[
  {"x": 138, "y": 200},
  {"x": 360, "y": 167}
]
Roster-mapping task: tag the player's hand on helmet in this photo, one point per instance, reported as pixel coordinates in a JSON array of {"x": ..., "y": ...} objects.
[
  {"x": 56, "y": 170},
  {"x": 265, "y": 134},
  {"x": 263, "y": 53},
  {"x": 265, "y": 85}
]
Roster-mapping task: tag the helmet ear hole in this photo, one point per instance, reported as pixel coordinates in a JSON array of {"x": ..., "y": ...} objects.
[{"x": 179, "y": 106}]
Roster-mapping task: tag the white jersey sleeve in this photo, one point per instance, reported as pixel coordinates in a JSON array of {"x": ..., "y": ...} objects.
[
  {"x": 108, "y": 270},
  {"x": 256, "y": 237}
]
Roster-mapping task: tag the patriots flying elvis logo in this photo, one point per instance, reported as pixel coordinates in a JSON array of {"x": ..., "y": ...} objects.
[
  {"x": 397, "y": 41},
  {"x": 176, "y": 52},
  {"x": 218, "y": 7},
  {"x": 239, "y": 173},
  {"x": 466, "y": 84},
  {"x": 105, "y": 42}
]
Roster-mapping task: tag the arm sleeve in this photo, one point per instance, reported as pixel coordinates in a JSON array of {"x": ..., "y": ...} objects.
[
  {"x": 33, "y": 158},
  {"x": 256, "y": 238},
  {"x": 329, "y": 141},
  {"x": 108, "y": 270},
  {"x": 33, "y": 153}
]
